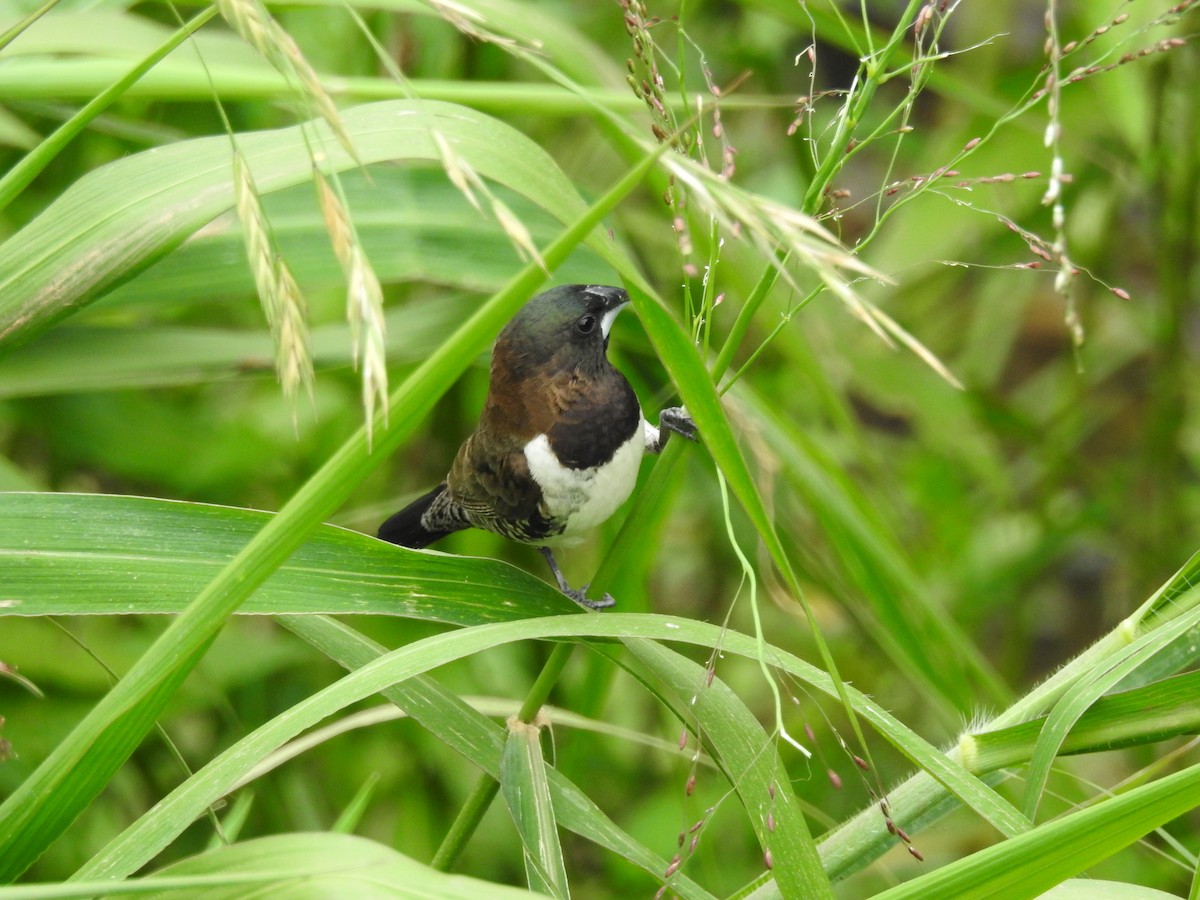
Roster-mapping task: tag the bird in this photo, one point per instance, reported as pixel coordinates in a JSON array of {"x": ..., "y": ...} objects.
[{"x": 559, "y": 440}]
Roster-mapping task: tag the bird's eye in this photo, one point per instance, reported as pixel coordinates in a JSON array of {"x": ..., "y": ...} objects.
[{"x": 586, "y": 325}]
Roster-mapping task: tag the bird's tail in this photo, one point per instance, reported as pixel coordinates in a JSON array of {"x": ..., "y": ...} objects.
[{"x": 406, "y": 528}]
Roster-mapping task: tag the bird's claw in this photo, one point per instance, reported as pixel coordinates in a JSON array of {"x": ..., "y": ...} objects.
[
  {"x": 678, "y": 420},
  {"x": 580, "y": 596}
]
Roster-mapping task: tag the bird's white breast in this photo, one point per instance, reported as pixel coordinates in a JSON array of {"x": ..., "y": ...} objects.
[{"x": 585, "y": 497}]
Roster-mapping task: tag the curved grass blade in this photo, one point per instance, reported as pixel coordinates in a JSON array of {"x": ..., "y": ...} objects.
[
  {"x": 751, "y": 764},
  {"x": 1080, "y": 697},
  {"x": 1029, "y": 864},
  {"x": 464, "y": 730},
  {"x": 83, "y": 554},
  {"x": 318, "y": 864},
  {"x": 19, "y": 176},
  {"x": 133, "y": 518},
  {"x": 84, "y": 244},
  {"x": 156, "y": 828},
  {"x": 526, "y": 790},
  {"x": 45, "y": 804}
]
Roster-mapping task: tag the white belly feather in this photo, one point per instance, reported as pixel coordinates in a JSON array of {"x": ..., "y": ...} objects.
[{"x": 585, "y": 497}]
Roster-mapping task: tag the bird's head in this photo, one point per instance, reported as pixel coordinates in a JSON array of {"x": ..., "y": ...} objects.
[{"x": 565, "y": 328}]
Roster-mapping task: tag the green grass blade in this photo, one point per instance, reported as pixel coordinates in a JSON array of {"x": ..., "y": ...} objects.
[
  {"x": 752, "y": 765},
  {"x": 1029, "y": 864},
  {"x": 350, "y": 817},
  {"x": 1143, "y": 715},
  {"x": 1076, "y": 701},
  {"x": 461, "y": 727},
  {"x": 526, "y": 790},
  {"x": 80, "y": 554},
  {"x": 19, "y": 176},
  {"x": 84, "y": 244},
  {"x": 45, "y": 804}
]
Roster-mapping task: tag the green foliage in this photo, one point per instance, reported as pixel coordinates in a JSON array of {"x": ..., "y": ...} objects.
[{"x": 892, "y": 543}]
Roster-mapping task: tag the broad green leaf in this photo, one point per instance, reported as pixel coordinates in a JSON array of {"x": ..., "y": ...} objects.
[
  {"x": 132, "y": 557},
  {"x": 413, "y": 224},
  {"x": 84, "y": 244},
  {"x": 72, "y": 554},
  {"x": 70, "y": 359},
  {"x": 526, "y": 791},
  {"x": 314, "y": 865}
]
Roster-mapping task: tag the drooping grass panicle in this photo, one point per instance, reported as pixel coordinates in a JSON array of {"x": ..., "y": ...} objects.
[
  {"x": 336, "y": 216},
  {"x": 1053, "y": 197},
  {"x": 252, "y": 20},
  {"x": 280, "y": 296},
  {"x": 470, "y": 21},
  {"x": 464, "y": 177},
  {"x": 293, "y": 351},
  {"x": 364, "y": 299},
  {"x": 365, "y": 303},
  {"x": 780, "y": 232},
  {"x": 259, "y": 250},
  {"x": 364, "y": 293}
]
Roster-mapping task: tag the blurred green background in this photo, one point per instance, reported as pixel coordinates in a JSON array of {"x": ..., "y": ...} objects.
[{"x": 956, "y": 545}]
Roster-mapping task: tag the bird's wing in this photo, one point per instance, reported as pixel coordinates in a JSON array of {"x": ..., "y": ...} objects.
[{"x": 491, "y": 481}]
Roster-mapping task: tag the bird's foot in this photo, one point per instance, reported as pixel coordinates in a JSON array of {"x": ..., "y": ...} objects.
[
  {"x": 675, "y": 420},
  {"x": 579, "y": 595}
]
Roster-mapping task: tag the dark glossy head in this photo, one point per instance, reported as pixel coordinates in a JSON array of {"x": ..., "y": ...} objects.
[{"x": 566, "y": 327}]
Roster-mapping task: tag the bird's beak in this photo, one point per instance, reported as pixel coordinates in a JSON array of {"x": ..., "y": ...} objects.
[{"x": 615, "y": 300}]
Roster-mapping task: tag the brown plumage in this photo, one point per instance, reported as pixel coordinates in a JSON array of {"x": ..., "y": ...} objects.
[{"x": 556, "y": 447}]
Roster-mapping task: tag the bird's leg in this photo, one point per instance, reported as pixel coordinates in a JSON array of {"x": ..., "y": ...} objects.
[
  {"x": 578, "y": 595},
  {"x": 672, "y": 420}
]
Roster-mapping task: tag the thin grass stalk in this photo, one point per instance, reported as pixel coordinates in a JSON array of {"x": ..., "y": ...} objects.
[{"x": 31, "y": 164}]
